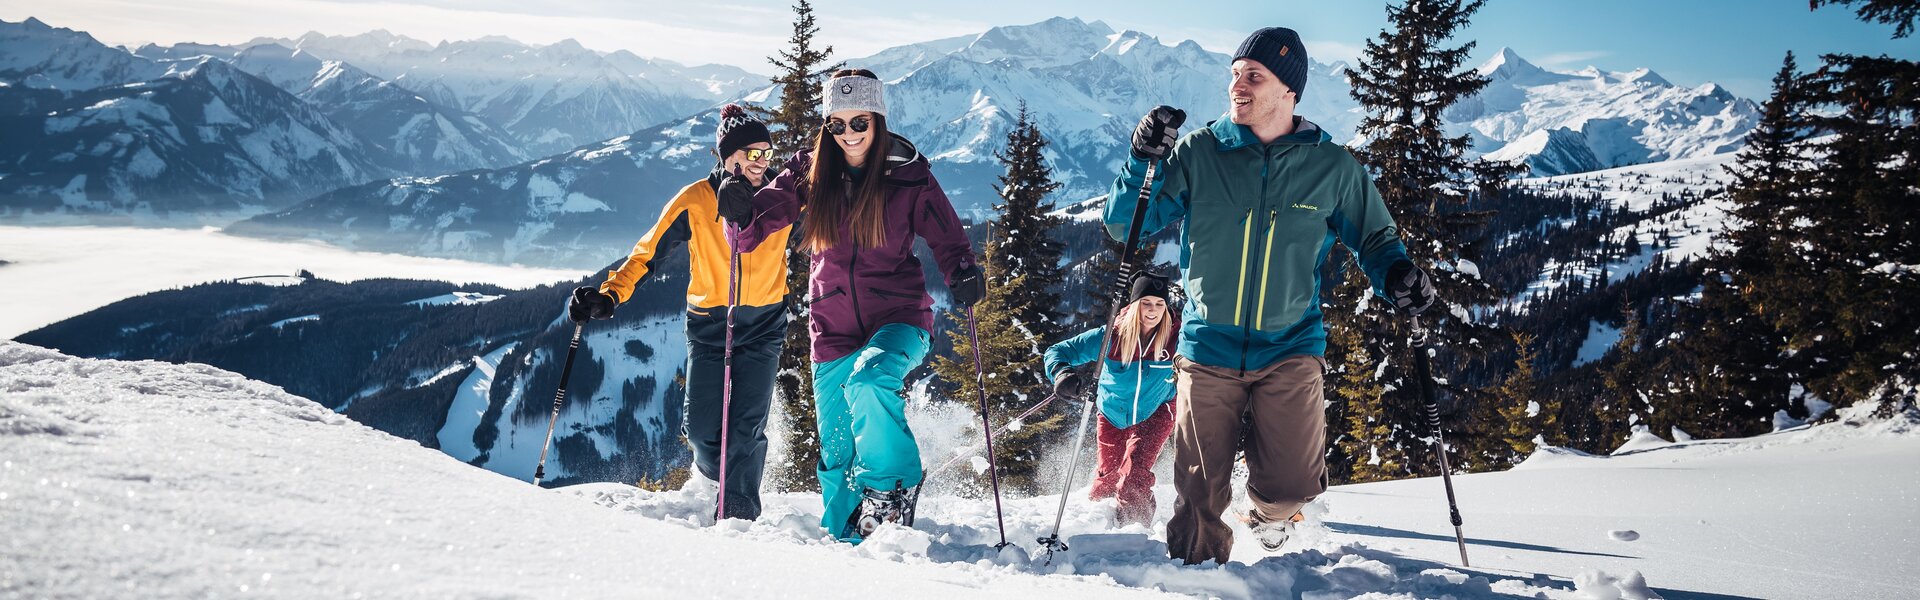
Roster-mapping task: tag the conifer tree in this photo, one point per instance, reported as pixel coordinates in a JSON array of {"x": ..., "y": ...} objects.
[
  {"x": 1525, "y": 414},
  {"x": 1406, "y": 80},
  {"x": 792, "y": 125},
  {"x": 1021, "y": 314},
  {"x": 1371, "y": 436},
  {"x": 1732, "y": 368},
  {"x": 1023, "y": 232}
]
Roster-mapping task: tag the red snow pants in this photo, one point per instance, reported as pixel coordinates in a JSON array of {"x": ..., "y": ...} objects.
[{"x": 1126, "y": 463}]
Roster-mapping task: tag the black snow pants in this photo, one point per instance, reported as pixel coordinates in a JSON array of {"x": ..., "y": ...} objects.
[{"x": 758, "y": 334}]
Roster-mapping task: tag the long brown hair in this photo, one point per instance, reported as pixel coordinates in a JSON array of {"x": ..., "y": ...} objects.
[
  {"x": 1128, "y": 327},
  {"x": 827, "y": 202}
]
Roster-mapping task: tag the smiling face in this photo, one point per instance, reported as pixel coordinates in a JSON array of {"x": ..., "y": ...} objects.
[
  {"x": 755, "y": 170},
  {"x": 1257, "y": 99},
  {"x": 854, "y": 143},
  {"x": 1152, "y": 309}
]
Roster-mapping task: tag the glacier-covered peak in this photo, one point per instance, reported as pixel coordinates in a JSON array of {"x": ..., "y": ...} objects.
[{"x": 1507, "y": 64}]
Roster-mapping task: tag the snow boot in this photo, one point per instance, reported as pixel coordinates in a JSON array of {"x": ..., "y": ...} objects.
[{"x": 885, "y": 506}]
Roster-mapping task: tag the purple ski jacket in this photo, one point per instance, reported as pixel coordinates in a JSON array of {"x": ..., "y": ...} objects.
[{"x": 856, "y": 290}]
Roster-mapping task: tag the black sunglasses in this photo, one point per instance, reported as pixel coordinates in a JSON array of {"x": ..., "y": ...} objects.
[{"x": 859, "y": 125}]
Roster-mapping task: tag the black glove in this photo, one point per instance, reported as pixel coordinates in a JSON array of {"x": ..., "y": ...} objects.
[
  {"x": 1409, "y": 288},
  {"x": 736, "y": 198},
  {"x": 969, "y": 285},
  {"x": 1156, "y": 132},
  {"x": 589, "y": 303},
  {"x": 1066, "y": 384}
]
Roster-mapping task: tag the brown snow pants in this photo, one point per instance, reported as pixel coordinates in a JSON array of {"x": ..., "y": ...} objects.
[{"x": 1285, "y": 442}]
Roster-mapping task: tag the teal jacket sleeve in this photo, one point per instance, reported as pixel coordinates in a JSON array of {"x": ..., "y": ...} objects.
[
  {"x": 1168, "y": 203},
  {"x": 1074, "y": 351},
  {"x": 1364, "y": 226}
]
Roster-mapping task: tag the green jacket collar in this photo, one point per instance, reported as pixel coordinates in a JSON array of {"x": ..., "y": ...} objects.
[{"x": 1231, "y": 136}]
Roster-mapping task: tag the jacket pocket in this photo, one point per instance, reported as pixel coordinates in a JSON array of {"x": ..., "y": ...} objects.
[{"x": 819, "y": 298}]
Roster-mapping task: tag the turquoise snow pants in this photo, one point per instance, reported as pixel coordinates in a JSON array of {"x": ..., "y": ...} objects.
[{"x": 864, "y": 439}]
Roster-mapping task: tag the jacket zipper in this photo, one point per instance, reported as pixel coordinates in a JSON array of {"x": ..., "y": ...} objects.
[
  {"x": 1246, "y": 248},
  {"x": 1246, "y": 329},
  {"x": 1140, "y": 374},
  {"x": 1266, "y": 263}
]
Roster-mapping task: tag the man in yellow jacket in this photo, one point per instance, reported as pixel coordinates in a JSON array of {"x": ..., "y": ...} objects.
[{"x": 759, "y": 319}]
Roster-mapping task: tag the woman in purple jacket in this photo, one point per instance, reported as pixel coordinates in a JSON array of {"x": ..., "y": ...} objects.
[{"x": 867, "y": 194}]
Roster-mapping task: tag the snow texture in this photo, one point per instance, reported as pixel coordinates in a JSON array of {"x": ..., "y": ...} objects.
[{"x": 167, "y": 480}]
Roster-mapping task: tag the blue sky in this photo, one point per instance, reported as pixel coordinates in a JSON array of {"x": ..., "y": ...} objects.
[{"x": 1737, "y": 43}]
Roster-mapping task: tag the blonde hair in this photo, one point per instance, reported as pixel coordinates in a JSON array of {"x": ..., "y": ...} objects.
[{"x": 1128, "y": 327}]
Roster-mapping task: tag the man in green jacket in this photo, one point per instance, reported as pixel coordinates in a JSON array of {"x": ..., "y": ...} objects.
[{"x": 1262, "y": 196}]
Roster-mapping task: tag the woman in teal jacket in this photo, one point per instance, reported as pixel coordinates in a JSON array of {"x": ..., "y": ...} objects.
[{"x": 1136, "y": 394}]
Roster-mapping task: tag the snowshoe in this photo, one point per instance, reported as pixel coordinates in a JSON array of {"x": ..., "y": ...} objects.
[
  {"x": 1272, "y": 534},
  {"x": 885, "y": 506}
]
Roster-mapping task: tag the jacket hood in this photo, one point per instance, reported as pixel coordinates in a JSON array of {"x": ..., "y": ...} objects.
[{"x": 904, "y": 160}]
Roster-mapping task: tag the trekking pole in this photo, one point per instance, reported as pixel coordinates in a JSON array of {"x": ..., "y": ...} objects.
[
  {"x": 1423, "y": 371},
  {"x": 961, "y": 453},
  {"x": 1052, "y": 542},
  {"x": 726, "y": 370},
  {"x": 986, "y": 425},
  {"x": 559, "y": 397}
]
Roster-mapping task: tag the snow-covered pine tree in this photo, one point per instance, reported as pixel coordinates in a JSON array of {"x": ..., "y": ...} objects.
[
  {"x": 1405, "y": 81},
  {"x": 1021, "y": 314},
  {"x": 1731, "y": 371},
  {"x": 1859, "y": 235},
  {"x": 1023, "y": 234},
  {"x": 1362, "y": 450},
  {"x": 793, "y": 125}
]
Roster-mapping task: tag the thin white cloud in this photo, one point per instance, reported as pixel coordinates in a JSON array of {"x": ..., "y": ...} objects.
[
  {"x": 1329, "y": 51},
  {"x": 1562, "y": 59}
]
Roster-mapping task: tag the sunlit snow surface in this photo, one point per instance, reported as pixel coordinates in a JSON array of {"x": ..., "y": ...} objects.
[{"x": 161, "y": 480}]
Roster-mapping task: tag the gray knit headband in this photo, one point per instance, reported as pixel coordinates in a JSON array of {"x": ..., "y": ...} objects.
[{"x": 853, "y": 92}]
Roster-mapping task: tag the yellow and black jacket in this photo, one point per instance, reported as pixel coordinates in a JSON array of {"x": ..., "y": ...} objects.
[{"x": 691, "y": 217}]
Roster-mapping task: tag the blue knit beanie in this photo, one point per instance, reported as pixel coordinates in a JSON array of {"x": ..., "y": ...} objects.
[{"x": 1280, "y": 50}]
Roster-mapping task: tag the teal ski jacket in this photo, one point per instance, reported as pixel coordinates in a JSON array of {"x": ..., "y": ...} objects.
[
  {"x": 1257, "y": 222},
  {"x": 1129, "y": 391}
]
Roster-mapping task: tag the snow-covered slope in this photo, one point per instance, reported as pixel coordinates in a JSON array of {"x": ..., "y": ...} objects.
[
  {"x": 175, "y": 481},
  {"x": 551, "y": 97},
  {"x": 183, "y": 480},
  {"x": 1687, "y": 233}
]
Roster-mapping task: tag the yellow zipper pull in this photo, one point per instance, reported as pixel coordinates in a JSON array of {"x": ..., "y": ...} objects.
[
  {"x": 1266, "y": 268},
  {"x": 1246, "y": 240}
]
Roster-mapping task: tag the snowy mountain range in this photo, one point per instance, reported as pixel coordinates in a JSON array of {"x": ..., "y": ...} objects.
[
  {"x": 389, "y": 129},
  {"x": 582, "y": 209},
  {"x": 956, "y": 98},
  {"x": 550, "y": 98},
  {"x": 201, "y": 139}
]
